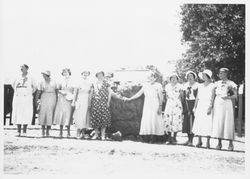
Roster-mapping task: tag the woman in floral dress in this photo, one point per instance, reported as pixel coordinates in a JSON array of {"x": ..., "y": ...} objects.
[
  {"x": 48, "y": 91},
  {"x": 63, "y": 112},
  {"x": 223, "y": 120},
  {"x": 100, "y": 117},
  {"x": 82, "y": 103},
  {"x": 173, "y": 111}
]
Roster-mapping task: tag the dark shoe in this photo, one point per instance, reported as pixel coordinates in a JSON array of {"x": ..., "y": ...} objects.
[
  {"x": 186, "y": 143},
  {"x": 199, "y": 144},
  {"x": 218, "y": 147},
  {"x": 231, "y": 147}
]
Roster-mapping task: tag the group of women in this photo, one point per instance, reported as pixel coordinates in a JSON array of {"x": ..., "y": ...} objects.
[{"x": 202, "y": 109}]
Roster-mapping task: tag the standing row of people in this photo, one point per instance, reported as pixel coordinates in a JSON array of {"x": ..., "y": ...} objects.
[
  {"x": 63, "y": 103},
  {"x": 202, "y": 109}
]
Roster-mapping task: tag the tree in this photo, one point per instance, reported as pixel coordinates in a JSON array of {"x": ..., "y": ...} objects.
[{"x": 215, "y": 34}]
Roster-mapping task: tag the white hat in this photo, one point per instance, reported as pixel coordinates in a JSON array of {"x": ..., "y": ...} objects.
[
  {"x": 191, "y": 72},
  {"x": 174, "y": 74},
  {"x": 207, "y": 72},
  {"x": 47, "y": 72}
]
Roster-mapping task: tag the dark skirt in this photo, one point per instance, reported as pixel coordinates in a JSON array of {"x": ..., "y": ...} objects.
[{"x": 188, "y": 118}]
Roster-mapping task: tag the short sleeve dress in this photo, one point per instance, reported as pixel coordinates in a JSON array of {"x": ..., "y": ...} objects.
[
  {"x": 22, "y": 112},
  {"x": 48, "y": 103},
  {"x": 173, "y": 111},
  {"x": 63, "y": 111},
  {"x": 203, "y": 122},
  {"x": 223, "y": 120},
  {"x": 100, "y": 113},
  {"x": 151, "y": 122},
  {"x": 81, "y": 114}
]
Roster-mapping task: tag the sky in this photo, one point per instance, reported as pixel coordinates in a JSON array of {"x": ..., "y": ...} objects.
[{"x": 88, "y": 34}]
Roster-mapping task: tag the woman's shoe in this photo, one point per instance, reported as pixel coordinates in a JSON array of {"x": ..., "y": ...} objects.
[
  {"x": 231, "y": 147},
  {"x": 218, "y": 147},
  {"x": 94, "y": 137},
  {"x": 208, "y": 146},
  {"x": 18, "y": 134},
  {"x": 199, "y": 144},
  {"x": 190, "y": 144},
  {"x": 187, "y": 142}
]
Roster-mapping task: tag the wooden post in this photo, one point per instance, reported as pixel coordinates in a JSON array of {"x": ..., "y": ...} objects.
[{"x": 240, "y": 111}]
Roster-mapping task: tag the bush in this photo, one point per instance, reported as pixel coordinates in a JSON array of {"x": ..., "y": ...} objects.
[{"x": 126, "y": 116}]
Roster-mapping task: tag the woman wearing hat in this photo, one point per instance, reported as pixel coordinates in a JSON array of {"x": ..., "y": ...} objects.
[
  {"x": 100, "y": 117},
  {"x": 190, "y": 89},
  {"x": 203, "y": 108},
  {"x": 47, "y": 95},
  {"x": 223, "y": 120},
  {"x": 173, "y": 111},
  {"x": 63, "y": 111},
  {"x": 22, "y": 112},
  {"x": 82, "y": 103},
  {"x": 152, "y": 121}
]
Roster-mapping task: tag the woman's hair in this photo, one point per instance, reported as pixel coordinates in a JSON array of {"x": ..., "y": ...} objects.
[
  {"x": 99, "y": 72},
  {"x": 191, "y": 74},
  {"x": 66, "y": 70}
]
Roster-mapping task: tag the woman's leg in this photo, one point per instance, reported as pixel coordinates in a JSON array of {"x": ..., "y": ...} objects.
[
  {"x": 78, "y": 133},
  {"x": 103, "y": 130},
  {"x": 47, "y": 130},
  {"x": 231, "y": 146},
  {"x": 199, "y": 144},
  {"x": 208, "y": 142},
  {"x": 191, "y": 139},
  {"x": 25, "y": 128},
  {"x": 96, "y": 134},
  {"x": 170, "y": 138},
  {"x": 219, "y": 145},
  {"x": 174, "y": 138},
  {"x": 68, "y": 131},
  {"x": 61, "y": 131},
  {"x": 19, "y": 126},
  {"x": 43, "y": 130}
]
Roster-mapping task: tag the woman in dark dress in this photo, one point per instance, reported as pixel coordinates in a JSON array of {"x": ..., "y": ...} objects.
[
  {"x": 189, "y": 94},
  {"x": 100, "y": 117}
]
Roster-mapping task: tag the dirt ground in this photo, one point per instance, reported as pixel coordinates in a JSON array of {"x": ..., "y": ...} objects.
[{"x": 36, "y": 155}]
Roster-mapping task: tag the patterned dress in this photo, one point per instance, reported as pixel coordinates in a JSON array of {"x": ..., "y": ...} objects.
[
  {"x": 151, "y": 122},
  {"x": 173, "y": 111},
  {"x": 100, "y": 113},
  {"x": 203, "y": 121},
  {"x": 190, "y": 93},
  {"x": 48, "y": 103},
  {"x": 22, "y": 112},
  {"x": 63, "y": 112},
  {"x": 223, "y": 120},
  {"x": 82, "y": 114}
]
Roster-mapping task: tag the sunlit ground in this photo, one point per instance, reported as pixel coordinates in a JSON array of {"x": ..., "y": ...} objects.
[{"x": 36, "y": 155}]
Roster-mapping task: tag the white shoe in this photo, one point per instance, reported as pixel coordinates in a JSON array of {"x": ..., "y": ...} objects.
[
  {"x": 24, "y": 134},
  {"x": 18, "y": 134}
]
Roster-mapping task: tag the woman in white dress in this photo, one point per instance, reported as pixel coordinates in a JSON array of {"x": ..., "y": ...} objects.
[
  {"x": 152, "y": 121},
  {"x": 48, "y": 96},
  {"x": 22, "y": 112},
  {"x": 82, "y": 103},
  {"x": 173, "y": 114},
  {"x": 203, "y": 108},
  {"x": 223, "y": 121},
  {"x": 63, "y": 111}
]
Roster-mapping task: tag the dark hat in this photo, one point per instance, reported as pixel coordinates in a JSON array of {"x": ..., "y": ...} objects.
[{"x": 25, "y": 66}]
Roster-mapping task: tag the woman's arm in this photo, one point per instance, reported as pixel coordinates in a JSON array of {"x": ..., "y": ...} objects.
[
  {"x": 137, "y": 95},
  {"x": 75, "y": 93},
  {"x": 109, "y": 95}
]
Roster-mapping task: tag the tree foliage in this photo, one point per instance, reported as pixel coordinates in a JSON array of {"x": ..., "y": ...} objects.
[{"x": 215, "y": 34}]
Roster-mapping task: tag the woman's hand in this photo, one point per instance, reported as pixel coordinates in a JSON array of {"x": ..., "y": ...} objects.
[
  {"x": 209, "y": 110},
  {"x": 108, "y": 104},
  {"x": 194, "y": 110},
  {"x": 226, "y": 97},
  {"x": 159, "y": 111},
  {"x": 73, "y": 103}
]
